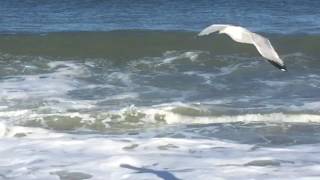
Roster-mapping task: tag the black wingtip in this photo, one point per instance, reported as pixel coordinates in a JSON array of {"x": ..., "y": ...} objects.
[
  {"x": 284, "y": 68},
  {"x": 279, "y": 66}
]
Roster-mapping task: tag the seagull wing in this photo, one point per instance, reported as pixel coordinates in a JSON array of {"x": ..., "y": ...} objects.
[
  {"x": 243, "y": 35},
  {"x": 213, "y": 28},
  {"x": 265, "y": 48}
]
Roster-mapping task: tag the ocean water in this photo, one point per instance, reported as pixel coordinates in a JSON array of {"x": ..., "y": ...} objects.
[{"x": 127, "y": 90}]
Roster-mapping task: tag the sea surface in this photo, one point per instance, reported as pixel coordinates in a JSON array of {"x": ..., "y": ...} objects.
[{"x": 93, "y": 89}]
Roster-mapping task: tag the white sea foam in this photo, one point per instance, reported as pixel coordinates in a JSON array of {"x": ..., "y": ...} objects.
[
  {"x": 171, "y": 56},
  {"x": 49, "y": 100},
  {"x": 275, "y": 83},
  {"x": 33, "y": 86},
  {"x": 122, "y": 77},
  {"x": 168, "y": 59},
  {"x": 32, "y": 153},
  {"x": 174, "y": 118},
  {"x": 60, "y": 81},
  {"x": 311, "y": 106},
  {"x": 56, "y": 117}
]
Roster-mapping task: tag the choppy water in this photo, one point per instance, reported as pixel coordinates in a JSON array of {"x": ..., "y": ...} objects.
[{"x": 157, "y": 102}]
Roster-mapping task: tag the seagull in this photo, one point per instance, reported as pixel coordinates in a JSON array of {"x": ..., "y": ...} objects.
[{"x": 243, "y": 35}]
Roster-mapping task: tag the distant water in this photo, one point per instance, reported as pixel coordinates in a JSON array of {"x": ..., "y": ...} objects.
[
  {"x": 126, "y": 90},
  {"x": 283, "y": 16}
]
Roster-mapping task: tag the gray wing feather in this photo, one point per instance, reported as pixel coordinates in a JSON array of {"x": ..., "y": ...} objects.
[
  {"x": 265, "y": 48},
  {"x": 242, "y": 35}
]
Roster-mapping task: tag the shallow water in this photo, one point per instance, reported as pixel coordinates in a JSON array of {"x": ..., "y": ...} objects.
[{"x": 157, "y": 102}]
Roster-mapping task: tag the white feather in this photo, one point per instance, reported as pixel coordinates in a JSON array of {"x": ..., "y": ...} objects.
[{"x": 243, "y": 35}]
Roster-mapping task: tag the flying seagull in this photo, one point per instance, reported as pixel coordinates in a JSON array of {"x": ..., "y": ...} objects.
[{"x": 243, "y": 35}]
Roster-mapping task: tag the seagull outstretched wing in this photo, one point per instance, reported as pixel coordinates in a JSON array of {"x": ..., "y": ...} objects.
[{"x": 243, "y": 35}]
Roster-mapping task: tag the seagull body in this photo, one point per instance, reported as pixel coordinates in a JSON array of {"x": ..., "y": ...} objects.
[{"x": 243, "y": 35}]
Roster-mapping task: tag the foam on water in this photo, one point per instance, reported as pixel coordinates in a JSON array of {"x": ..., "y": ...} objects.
[
  {"x": 33, "y": 153},
  {"x": 178, "y": 115},
  {"x": 131, "y": 118},
  {"x": 94, "y": 94},
  {"x": 55, "y": 83}
]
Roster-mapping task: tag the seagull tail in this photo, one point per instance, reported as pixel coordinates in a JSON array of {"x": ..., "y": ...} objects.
[{"x": 279, "y": 66}]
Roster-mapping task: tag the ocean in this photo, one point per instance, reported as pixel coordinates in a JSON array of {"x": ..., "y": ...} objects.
[{"x": 126, "y": 89}]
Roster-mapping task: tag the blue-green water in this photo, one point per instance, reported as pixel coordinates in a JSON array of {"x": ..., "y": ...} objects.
[{"x": 285, "y": 16}]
